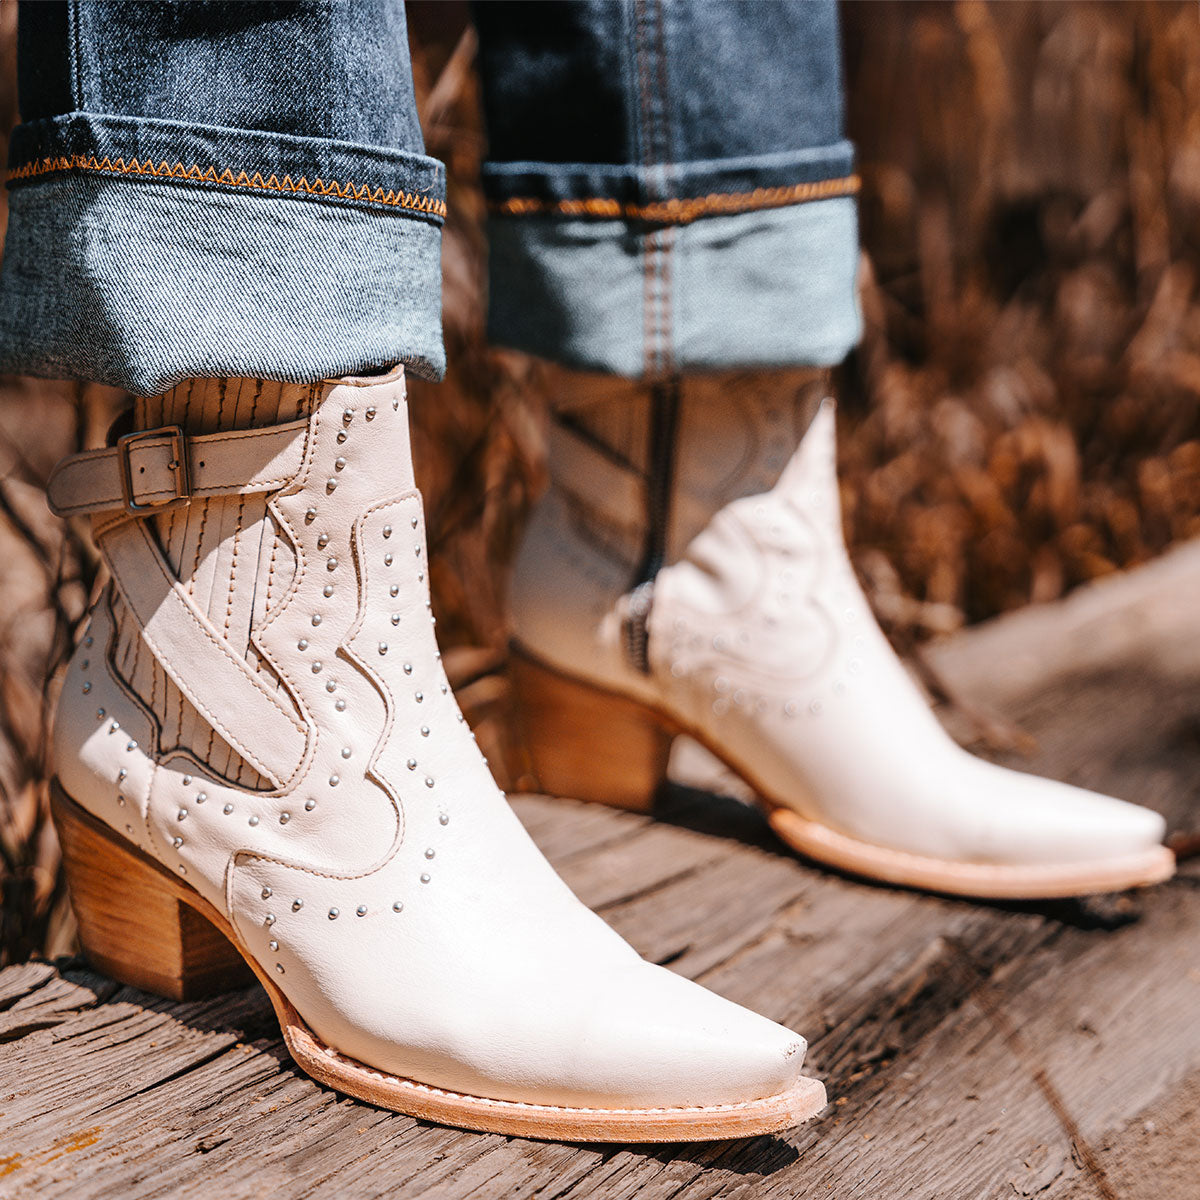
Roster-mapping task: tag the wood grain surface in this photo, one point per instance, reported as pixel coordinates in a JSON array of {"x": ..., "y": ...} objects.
[{"x": 970, "y": 1050}]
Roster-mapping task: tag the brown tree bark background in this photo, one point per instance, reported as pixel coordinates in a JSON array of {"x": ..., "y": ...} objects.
[{"x": 1022, "y": 416}]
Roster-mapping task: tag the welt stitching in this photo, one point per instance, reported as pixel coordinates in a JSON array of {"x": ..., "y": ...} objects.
[
  {"x": 683, "y": 211},
  {"x": 345, "y": 190}
]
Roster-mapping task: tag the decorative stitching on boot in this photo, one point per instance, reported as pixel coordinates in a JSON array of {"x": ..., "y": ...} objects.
[{"x": 364, "y": 193}]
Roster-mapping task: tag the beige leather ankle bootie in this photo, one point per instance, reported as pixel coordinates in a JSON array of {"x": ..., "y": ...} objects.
[
  {"x": 697, "y": 580},
  {"x": 260, "y": 762}
]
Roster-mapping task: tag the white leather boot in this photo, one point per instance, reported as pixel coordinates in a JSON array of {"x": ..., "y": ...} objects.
[
  {"x": 259, "y": 759},
  {"x": 755, "y": 638}
]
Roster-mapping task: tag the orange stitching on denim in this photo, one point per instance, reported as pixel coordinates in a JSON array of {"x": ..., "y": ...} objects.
[
  {"x": 273, "y": 183},
  {"x": 681, "y": 212}
]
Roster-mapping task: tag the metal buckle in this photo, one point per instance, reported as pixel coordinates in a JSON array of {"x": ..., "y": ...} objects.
[{"x": 178, "y": 466}]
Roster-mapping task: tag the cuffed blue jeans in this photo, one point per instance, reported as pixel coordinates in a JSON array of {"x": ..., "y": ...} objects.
[{"x": 242, "y": 189}]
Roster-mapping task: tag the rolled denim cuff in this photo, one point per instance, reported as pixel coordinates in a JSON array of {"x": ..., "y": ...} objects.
[
  {"x": 143, "y": 252},
  {"x": 737, "y": 263}
]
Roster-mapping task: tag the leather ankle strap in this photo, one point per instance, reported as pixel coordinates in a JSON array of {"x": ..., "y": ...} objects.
[{"x": 156, "y": 469}]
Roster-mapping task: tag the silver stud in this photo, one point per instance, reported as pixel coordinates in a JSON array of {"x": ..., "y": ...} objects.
[
  {"x": 181, "y": 815},
  {"x": 253, "y": 821},
  {"x": 387, "y": 531},
  {"x": 279, "y": 968},
  {"x": 387, "y": 560},
  {"x": 187, "y": 781},
  {"x": 371, "y": 413},
  {"x": 428, "y": 781},
  {"x": 87, "y": 641},
  {"x": 182, "y": 869},
  {"x": 201, "y": 797},
  {"x": 310, "y": 516},
  {"x": 417, "y": 551},
  {"x": 297, "y": 905},
  {"x": 302, "y": 644},
  {"x": 273, "y": 944},
  {"x": 346, "y": 751},
  {"x": 396, "y": 621},
  {"x": 131, "y": 745},
  {"x": 420, "y": 576},
  {"x": 227, "y": 809},
  {"x": 361, "y": 910},
  {"x": 348, "y": 416},
  {"x": 408, "y": 668},
  {"x": 412, "y": 764},
  {"x": 334, "y": 781},
  {"x": 330, "y": 484},
  {"x": 333, "y": 914},
  {"x": 424, "y": 730},
  {"x": 121, "y": 800},
  {"x": 340, "y": 705},
  {"x": 339, "y": 463},
  {"x": 331, "y": 564},
  {"x": 316, "y": 667},
  {"x": 85, "y": 664},
  {"x": 323, "y": 541},
  {"x": 424, "y": 876},
  {"x": 87, "y": 687},
  {"x": 122, "y": 773},
  {"x": 444, "y": 819},
  {"x": 394, "y": 589},
  {"x": 789, "y": 709},
  {"x": 269, "y": 919},
  {"x": 309, "y": 805},
  {"x": 445, "y": 689},
  {"x": 414, "y": 522},
  {"x": 418, "y": 696},
  {"x": 266, "y": 893},
  {"x": 398, "y": 906},
  {"x": 128, "y": 828},
  {"x": 331, "y": 686},
  {"x": 316, "y": 618},
  {"x": 383, "y": 647},
  {"x": 177, "y": 842},
  {"x": 114, "y": 727},
  {"x": 327, "y": 590},
  {"x": 284, "y": 818},
  {"x": 341, "y": 437},
  {"x": 430, "y": 852},
  {"x": 99, "y": 714}
]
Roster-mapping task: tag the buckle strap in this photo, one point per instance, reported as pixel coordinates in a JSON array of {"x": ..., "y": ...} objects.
[{"x": 154, "y": 470}]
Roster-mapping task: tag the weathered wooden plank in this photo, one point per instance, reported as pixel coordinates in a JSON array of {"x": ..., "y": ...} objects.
[{"x": 971, "y": 1050}]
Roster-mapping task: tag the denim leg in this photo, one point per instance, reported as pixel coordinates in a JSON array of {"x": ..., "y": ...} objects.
[
  {"x": 219, "y": 189},
  {"x": 668, "y": 182}
]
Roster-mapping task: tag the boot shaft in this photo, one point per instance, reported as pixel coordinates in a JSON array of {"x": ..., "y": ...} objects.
[{"x": 637, "y": 472}]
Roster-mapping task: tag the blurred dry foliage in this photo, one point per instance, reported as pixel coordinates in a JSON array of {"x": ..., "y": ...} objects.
[{"x": 1023, "y": 415}]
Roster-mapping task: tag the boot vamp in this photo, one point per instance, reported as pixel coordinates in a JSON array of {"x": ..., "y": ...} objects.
[
  {"x": 768, "y": 650},
  {"x": 493, "y": 980}
]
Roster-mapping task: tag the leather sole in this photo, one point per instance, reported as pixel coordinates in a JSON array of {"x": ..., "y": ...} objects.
[
  {"x": 592, "y": 744},
  {"x": 144, "y": 927}
]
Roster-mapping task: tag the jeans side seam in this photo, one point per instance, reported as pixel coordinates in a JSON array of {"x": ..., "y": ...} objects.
[
  {"x": 681, "y": 211},
  {"x": 363, "y": 193},
  {"x": 76, "y": 54}
]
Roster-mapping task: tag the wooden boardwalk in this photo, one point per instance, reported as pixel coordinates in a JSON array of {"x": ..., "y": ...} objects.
[{"x": 969, "y": 1050}]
